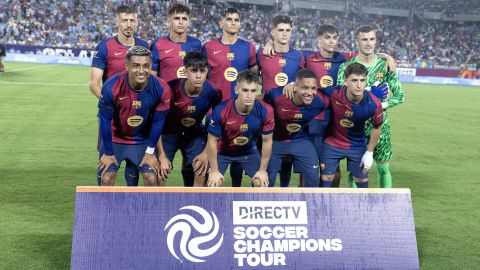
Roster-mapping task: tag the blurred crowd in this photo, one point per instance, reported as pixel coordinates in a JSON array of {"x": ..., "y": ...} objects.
[{"x": 82, "y": 24}]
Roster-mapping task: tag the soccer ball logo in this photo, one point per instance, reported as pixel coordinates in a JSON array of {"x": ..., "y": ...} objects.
[{"x": 190, "y": 247}]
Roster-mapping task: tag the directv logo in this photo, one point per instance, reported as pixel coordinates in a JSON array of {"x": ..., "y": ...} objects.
[{"x": 269, "y": 212}]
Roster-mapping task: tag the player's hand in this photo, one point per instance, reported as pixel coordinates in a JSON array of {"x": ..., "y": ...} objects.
[
  {"x": 260, "y": 179},
  {"x": 200, "y": 164},
  {"x": 381, "y": 92},
  {"x": 289, "y": 90},
  {"x": 105, "y": 162},
  {"x": 367, "y": 161},
  {"x": 215, "y": 179},
  {"x": 391, "y": 64},
  {"x": 165, "y": 167},
  {"x": 151, "y": 161},
  {"x": 268, "y": 49}
]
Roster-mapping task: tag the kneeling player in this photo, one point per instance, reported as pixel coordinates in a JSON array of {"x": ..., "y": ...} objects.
[
  {"x": 290, "y": 137},
  {"x": 233, "y": 125},
  {"x": 351, "y": 107},
  {"x": 132, "y": 109},
  {"x": 192, "y": 98}
]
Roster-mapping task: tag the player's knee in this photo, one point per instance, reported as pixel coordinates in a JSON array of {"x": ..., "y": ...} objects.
[
  {"x": 361, "y": 180},
  {"x": 108, "y": 179},
  {"x": 150, "y": 179},
  {"x": 328, "y": 177}
]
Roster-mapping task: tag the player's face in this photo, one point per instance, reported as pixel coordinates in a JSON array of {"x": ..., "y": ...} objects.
[
  {"x": 196, "y": 76},
  {"x": 127, "y": 24},
  {"x": 282, "y": 33},
  {"x": 356, "y": 84},
  {"x": 247, "y": 92},
  {"x": 328, "y": 42},
  {"x": 179, "y": 22},
  {"x": 305, "y": 90},
  {"x": 231, "y": 23},
  {"x": 138, "y": 68},
  {"x": 366, "y": 42}
]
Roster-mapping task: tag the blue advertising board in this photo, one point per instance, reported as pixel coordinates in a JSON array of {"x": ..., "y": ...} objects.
[{"x": 243, "y": 228}]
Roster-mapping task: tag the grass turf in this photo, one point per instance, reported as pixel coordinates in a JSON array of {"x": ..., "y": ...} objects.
[{"x": 49, "y": 133}]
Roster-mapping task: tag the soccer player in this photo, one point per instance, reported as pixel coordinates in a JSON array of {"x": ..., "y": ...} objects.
[
  {"x": 291, "y": 117},
  {"x": 168, "y": 52},
  {"x": 365, "y": 42},
  {"x": 109, "y": 60},
  {"x": 233, "y": 126},
  {"x": 192, "y": 98},
  {"x": 280, "y": 68},
  {"x": 3, "y": 54},
  {"x": 132, "y": 110},
  {"x": 227, "y": 56},
  {"x": 351, "y": 107}
]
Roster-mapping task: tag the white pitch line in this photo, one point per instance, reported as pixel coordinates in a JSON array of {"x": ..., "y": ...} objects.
[
  {"x": 41, "y": 83},
  {"x": 30, "y": 68}
]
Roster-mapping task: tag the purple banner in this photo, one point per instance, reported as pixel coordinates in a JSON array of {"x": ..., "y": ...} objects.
[
  {"x": 50, "y": 51},
  {"x": 225, "y": 228},
  {"x": 437, "y": 72}
]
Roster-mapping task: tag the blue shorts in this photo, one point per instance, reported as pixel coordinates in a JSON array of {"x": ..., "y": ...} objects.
[
  {"x": 250, "y": 162},
  {"x": 190, "y": 145},
  {"x": 305, "y": 160},
  {"x": 316, "y": 131},
  {"x": 331, "y": 156},
  {"x": 132, "y": 152}
]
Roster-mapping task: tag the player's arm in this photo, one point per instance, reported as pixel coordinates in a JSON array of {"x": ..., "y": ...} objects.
[
  {"x": 397, "y": 92},
  {"x": 341, "y": 73},
  {"x": 253, "y": 59},
  {"x": 391, "y": 65},
  {"x": 268, "y": 49},
  {"x": 377, "y": 121},
  {"x": 106, "y": 111},
  {"x": 95, "y": 84},
  {"x": 99, "y": 64},
  {"x": 215, "y": 178},
  {"x": 260, "y": 179},
  {"x": 155, "y": 58}
]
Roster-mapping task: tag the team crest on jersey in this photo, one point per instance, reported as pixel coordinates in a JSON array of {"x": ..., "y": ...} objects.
[
  {"x": 243, "y": 127},
  {"x": 348, "y": 113},
  {"x": 191, "y": 109},
  {"x": 327, "y": 65},
  {"x": 281, "y": 79},
  {"x": 294, "y": 127},
  {"x": 230, "y": 56},
  {"x": 136, "y": 104},
  {"x": 230, "y": 74},
  {"x": 182, "y": 54},
  {"x": 326, "y": 81},
  {"x": 298, "y": 116},
  {"x": 379, "y": 76},
  {"x": 346, "y": 123},
  {"x": 282, "y": 62}
]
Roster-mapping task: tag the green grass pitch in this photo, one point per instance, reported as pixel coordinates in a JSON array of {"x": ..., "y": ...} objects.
[{"x": 48, "y": 147}]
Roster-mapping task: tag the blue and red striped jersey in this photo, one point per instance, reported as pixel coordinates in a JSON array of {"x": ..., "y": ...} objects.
[
  {"x": 226, "y": 61},
  {"x": 168, "y": 56},
  {"x": 133, "y": 110},
  {"x": 280, "y": 69},
  {"x": 346, "y": 129},
  {"x": 186, "y": 111},
  {"x": 236, "y": 131},
  {"x": 110, "y": 56},
  {"x": 291, "y": 119}
]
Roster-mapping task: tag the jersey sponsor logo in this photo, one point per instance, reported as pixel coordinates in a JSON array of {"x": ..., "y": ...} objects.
[
  {"x": 230, "y": 74},
  {"x": 135, "y": 121},
  {"x": 327, "y": 65},
  {"x": 195, "y": 236},
  {"x": 379, "y": 76},
  {"x": 167, "y": 51},
  {"x": 181, "y": 73},
  {"x": 215, "y": 52},
  {"x": 188, "y": 122},
  {"x": 281, "y": 79},
  {"x": 230, "y": 122},
  {"x": 348, "y": 113},
  {"x": 136, "y": 104},
  {"x": 240, "y": 140},
  {"x": 122, "y": 98},
  {"x": 243, "y": 127},
  {"x": 182, "y": 54},
  {"x": 298, "y": 116},
  {"x": 294, "y": 127},
  {"x": 326, "y": 81},
  {"x": 346, "y": 123},
  {"x": 118, "y": 53},
  {"x": 191, "y": 108},
  {"x": 282, "y": 62},
  {"x": 230, "y": 56}
]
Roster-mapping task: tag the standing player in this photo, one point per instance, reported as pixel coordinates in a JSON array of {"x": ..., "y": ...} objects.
[
  {"x": 192, "y": 98},
  {"x": 233, "y": 126},
  {"x": 3, "y": 54},
  {"x": 279, "y": 69},
  {"x": 132, "y": 110},
  {"x": 291, "y": 117},
  {"x": 109, "y": 60},
  {"x": 351, "y": 107},
  {"x": 366, "y": 41},
  {"x": 168, "y": 52},
  {"x": 227, "y": 56}
]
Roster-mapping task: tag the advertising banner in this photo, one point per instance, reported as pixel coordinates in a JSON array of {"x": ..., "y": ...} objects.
[{"x": 243, "y": 228}]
